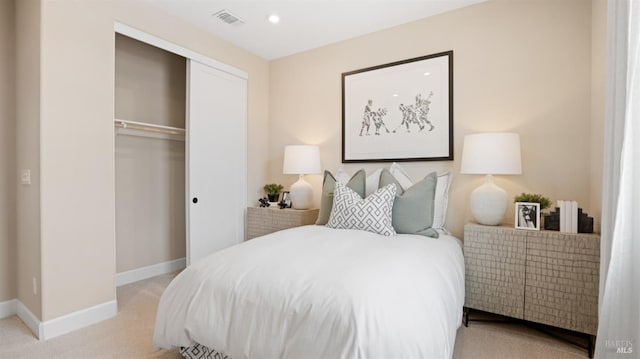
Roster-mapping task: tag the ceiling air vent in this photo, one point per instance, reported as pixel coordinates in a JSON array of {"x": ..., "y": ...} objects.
[{"x": 227, "y": 17}]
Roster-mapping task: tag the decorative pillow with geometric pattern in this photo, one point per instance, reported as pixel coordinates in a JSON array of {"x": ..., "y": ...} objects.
[
  {"x": 356, "y": 183},
  {"x": 372, "y": 214}
]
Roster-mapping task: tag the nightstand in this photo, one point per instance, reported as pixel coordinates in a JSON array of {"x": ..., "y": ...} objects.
[
  {"x": 545, "y": 277},
  {"x": 261, "y": 220}
]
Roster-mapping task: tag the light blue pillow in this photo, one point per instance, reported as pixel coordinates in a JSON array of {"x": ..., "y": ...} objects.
[{"x": 413, "y": 208}]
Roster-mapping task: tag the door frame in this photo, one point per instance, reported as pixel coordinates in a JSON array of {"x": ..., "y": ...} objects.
[{"x": 142, "y": 36}]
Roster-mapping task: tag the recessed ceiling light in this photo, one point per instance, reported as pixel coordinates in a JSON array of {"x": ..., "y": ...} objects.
[
  {"x": 427, "y": 73},
  {"x": 395, "y": 95},
  {"x": 273, "y": 18}
]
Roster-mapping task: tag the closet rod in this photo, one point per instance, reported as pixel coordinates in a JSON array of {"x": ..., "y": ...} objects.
[{"x": 150, "y": 127}]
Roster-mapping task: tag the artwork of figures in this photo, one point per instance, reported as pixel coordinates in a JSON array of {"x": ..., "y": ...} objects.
[
  {"x": 401, "y": 111},
  {"x": 377, "y": 117}
]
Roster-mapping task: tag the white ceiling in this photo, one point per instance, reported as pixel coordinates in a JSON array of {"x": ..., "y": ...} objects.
[{"x": 304, "y": 24}]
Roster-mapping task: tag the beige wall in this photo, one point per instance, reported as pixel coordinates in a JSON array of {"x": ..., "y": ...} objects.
[
  {"x": 150, "y": 83},
  {"x": 78, "y": 196},
  {"x": 520, "y": 66},
  {"x": 150, "y": 86},
  {"x": 28, "y": 81},
  {"x": 598, "y": 81},
  {"x": 8, "y": 171}
]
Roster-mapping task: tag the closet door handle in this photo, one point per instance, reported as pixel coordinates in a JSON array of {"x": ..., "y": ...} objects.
[{"x": 195, "y": 200}]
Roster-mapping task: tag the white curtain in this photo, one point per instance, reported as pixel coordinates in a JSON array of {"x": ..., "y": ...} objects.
[{"x": 619, "y": 321}]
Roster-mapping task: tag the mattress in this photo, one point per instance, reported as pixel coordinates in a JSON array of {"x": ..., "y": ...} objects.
[{"x": 317, "y": 292}]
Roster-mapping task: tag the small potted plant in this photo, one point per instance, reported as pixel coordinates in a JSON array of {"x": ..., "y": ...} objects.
[
  {"x": 273, "y": 191},
  {"x": 534, "y": 198}
]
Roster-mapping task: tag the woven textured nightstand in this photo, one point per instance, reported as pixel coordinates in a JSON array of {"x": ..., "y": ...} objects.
[
  {"x": 545, "y": 277},
  {"x": 541, "y": 276},
  {"x": 261, "y": 221}
]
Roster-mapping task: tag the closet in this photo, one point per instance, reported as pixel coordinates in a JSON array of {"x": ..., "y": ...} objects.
[{"x": 180, "y": 155}]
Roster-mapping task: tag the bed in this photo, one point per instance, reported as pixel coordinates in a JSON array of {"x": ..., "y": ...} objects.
[{"x": 318, "y": 292}]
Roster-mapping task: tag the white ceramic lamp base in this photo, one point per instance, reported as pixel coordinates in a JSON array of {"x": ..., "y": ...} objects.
[
  {"x": 301, "y": 194},
  {"x": 489, "y": 203}
]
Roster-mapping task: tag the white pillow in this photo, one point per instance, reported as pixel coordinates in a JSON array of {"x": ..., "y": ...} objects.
[
  {"x": 441, "y": 200},
  {"x": 401, "y": 176},
  {"x": 372, "y": 180},
  {"x": 372, "y": 214}
]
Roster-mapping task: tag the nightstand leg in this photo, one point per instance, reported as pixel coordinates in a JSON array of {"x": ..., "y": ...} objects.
[
  {"x": 465, "y": 316},
  {"x": 591, "y": 345}
]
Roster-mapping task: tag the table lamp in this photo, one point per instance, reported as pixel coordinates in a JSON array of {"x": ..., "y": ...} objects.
[
  {"x": 496, "y": 153},
  {"x": 301, "y": 160}
]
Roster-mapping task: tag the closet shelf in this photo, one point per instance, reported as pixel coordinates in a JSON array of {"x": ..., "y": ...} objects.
[{"x": 134, "y": 128}]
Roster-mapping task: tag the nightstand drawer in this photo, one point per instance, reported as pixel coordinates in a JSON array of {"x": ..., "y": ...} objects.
[
  {"x": 495, "y": 269},
  {"x": 261, "y": 221},
  {"x": 563, "y": 273}
]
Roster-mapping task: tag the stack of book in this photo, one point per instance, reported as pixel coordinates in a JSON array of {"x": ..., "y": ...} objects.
[{"x": 568, "y": 216}]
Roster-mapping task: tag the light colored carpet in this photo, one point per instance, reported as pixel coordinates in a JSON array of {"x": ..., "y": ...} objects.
[{"x": 129, "y": 335}]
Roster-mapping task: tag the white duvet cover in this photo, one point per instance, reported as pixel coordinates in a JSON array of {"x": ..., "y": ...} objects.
[{"x": 317, "y": 292}]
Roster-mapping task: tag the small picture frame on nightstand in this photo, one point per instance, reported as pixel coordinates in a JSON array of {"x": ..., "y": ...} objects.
[
  {"x": 527, "y": 216},
  {"x": 286, "y": 199}
]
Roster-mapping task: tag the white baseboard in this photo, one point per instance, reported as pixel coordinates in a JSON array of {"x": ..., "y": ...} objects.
[
  {"x": 77, "y": 320},
  {"x": 8, "y": 308},
  {"x": 31, "y": 321},
  {"x": 85, "y": 317},
  {"x": 135, "y": 275},
  {"x": 66, "y": 323}
]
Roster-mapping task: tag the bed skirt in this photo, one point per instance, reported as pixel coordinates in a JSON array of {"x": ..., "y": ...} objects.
[{"x": 199, "y": 351}]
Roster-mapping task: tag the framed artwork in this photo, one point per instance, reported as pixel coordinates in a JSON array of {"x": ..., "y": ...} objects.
[
  {"x": 527, "y": 216},
  {"x": 402, "y": 111}
]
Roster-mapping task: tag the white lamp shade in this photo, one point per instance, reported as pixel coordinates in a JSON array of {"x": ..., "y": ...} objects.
[
  {"x": 496, "y": 153},
  {"x": 301, "y": 159}
]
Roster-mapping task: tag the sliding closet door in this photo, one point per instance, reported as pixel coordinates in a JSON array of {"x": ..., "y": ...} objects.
[{"x": 216, "y": 159}]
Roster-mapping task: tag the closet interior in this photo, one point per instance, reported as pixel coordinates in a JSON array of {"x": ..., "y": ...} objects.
[
  {"x": 149, "y": 125},
  {"x": 180, "y": 132}
]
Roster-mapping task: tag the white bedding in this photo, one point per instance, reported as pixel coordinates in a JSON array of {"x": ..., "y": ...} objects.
[{"x": 317, "y": 292}]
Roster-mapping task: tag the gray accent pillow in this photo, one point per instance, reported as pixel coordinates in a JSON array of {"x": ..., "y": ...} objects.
[
  {"x": 413, "y": 209},
  {"x": 356, "y": 183}
]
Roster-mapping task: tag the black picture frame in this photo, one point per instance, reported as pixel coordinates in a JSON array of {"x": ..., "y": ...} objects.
[{"x": 400, "y": 111}]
